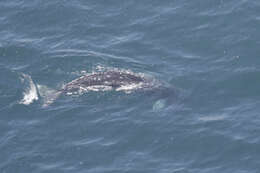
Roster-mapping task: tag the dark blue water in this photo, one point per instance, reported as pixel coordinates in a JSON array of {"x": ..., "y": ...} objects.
[{"x": 207, "y": 51}]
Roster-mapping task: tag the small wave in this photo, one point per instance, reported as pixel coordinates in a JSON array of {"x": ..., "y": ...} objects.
[{"x": 30, "y": 94}]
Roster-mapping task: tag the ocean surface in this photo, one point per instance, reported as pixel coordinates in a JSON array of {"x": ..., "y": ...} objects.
[{"x": 204, "y": 54}]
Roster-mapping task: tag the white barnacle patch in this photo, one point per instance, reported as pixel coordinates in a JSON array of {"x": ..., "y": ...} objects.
[
  {"x": 69, "y": 93},
  {"x": 130, "y": 87},
  {"x": 99, "y": 88}
]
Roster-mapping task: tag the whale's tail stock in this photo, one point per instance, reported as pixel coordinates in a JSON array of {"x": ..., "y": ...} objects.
[
  {"x": 48, "y": 95},
  {"x": 33, "y": 92}
]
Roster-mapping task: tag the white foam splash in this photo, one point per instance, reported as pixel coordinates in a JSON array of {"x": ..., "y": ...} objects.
[{"x": 30, "y": 93}]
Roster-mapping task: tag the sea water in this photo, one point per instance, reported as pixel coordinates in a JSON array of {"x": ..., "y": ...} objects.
[{"x": 206, "y": 51}]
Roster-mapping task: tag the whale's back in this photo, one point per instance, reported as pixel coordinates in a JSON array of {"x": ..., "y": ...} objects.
[{"x": 109, "y": 80}]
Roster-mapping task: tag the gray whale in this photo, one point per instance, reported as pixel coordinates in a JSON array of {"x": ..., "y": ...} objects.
[
  {"x": 117, "y": 80},
  {"x": 108, "y": 80}
]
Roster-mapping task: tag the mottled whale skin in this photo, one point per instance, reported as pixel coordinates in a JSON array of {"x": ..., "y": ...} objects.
[{"x": 111, "y": 79}]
